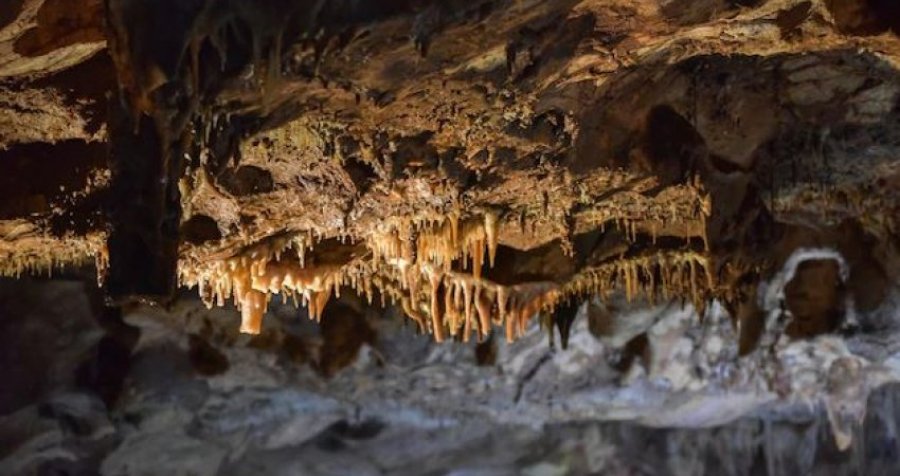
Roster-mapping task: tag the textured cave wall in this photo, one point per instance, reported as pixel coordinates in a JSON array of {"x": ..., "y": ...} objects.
[
  {"x": 610, "y": 131},
  {"x": 694, "y": 201},
  {"x": 102, "y": 393}
]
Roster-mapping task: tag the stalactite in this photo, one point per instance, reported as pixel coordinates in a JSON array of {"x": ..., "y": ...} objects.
[
  {"x": 437, "y": 322},
  {"x": 449, "y": 309},
  {"x": 483, "y": 307},
  {"x": 678, "y": 272},
  {"x": 417, "y": 259},
  {"x": 253, "y": 306},
  {"x": 252, "y": 276},
  {"x": 491, "y": 231},
  {"x": 37, "y": 261}
]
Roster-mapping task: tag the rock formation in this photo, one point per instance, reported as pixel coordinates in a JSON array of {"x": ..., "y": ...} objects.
[{"x": 699, "y": 198}]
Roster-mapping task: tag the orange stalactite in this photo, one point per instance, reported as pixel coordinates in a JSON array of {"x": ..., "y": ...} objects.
[
  {"x": 253, "y": 307},
  {"x": 416, "y": 273}
]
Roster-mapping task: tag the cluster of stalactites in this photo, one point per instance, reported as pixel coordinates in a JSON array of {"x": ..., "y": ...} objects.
[
  {"x": 664, "y": 274},
  {"x": 253, "y": 276},
  {"x": 461, "y": 305},
  {"x": 439, "y": 243},
  {"x": 457, "y": 304},
  {"x": 446, "y": 303},
  {"x": 413, "y": 266},
  {"x": 649, "y": 218},
  {"x": 40, "y": 261}
]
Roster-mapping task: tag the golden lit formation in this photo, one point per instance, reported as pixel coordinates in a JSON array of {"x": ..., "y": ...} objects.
[{"x": 433, "y": 270}]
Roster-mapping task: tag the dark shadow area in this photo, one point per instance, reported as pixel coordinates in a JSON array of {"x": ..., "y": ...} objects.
[
  {"x": 246, "y": 180},
  {"x": 37, "y": 176},
  {"x": 865, "y": 17}
]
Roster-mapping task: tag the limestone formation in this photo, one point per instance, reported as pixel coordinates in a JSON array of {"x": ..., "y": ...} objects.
[{"x": 478, "y": 169}]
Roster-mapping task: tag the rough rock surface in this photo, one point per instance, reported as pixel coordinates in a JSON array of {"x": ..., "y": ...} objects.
[
  {"x": 697, "y": 201},
  {"x": 217, "y": 402}
]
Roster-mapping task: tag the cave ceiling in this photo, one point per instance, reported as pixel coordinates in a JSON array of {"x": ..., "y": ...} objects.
[{"x": 473, "y": 163}]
